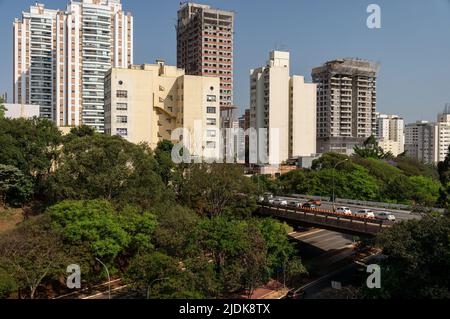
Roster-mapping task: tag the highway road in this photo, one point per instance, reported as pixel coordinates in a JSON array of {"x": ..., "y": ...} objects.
[
  {"x": 323, "y": 250},
  {"x": 399, "y": 214}
]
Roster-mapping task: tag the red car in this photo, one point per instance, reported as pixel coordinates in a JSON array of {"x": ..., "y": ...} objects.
[{"x": 315, "y": 202}]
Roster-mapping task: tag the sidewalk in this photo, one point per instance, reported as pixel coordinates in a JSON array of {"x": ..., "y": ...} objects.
[{"x": 273, "y": 290}]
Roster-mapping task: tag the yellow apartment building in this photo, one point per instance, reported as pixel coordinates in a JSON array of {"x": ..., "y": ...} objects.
[{"x": 147, "y": 103}]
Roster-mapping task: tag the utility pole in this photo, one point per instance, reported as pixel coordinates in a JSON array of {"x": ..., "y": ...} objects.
[{"x": 334, "y": 169}]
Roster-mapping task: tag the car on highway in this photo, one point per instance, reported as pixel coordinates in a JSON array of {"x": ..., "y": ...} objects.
[
  {"x": 366, "y": 213},
  {"x": 280, "y": 202},
  {"x": 309, "y": 205},
  {"x": 385, "y": 216},
  {"x": 315, "y": 202},
  {"x": 344, "y": 210},
  {"x": 294, "y": 203}
]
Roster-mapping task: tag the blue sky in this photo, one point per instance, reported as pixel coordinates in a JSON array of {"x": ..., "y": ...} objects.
[{"x": 413, "y": 45}]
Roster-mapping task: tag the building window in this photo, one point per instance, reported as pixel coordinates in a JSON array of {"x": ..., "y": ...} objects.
[
  {"x": 211, "y": 110},
  {"x": 122, "y": 131},
  {"x": 211, "y": 121},
  {"x": 210, "y": 144},
  {"x": 122, "y": 119},
  {"x": 211, "y": 133},
  {"x": 211, "y": 98},
  {"x": 122, "y": 106},
  {"x": 122, "y": 93}
]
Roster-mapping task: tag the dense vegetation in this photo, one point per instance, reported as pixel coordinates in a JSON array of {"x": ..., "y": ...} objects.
[
  {"x": 187, "y": 231},
  {"x": 171, "y": 231},
  {"x": 418, "y": 259},
  {"x": 400, "y": 180}
]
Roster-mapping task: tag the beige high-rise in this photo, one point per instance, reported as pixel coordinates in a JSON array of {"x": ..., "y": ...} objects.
[
  {"x": 346, "y": 104},
  {"x": 285, "y": 106},
  {"x": 429, "y": 142},
  {"x": 146, "y": 103},
  {"x": 61, "y": 57},
  {"x": 390, "y": 133}
]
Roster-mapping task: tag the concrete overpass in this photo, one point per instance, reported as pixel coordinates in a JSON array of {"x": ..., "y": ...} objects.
[{"x": 325, "y": 219}]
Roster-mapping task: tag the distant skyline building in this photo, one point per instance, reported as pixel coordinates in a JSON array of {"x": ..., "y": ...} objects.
[
  {"x": 205, "y": 39},
  {"x": 346, "y": 104},
  {"x": 283, "y": 105},
  {"x": 429, "y": 142},
  {"x": 420, "y": 141},
  {"x": 244, "y": 125},
  {"x": 147, "y": 103},
  {"x": 61, "y": 57},
  {"x": 391, "y": 133}
]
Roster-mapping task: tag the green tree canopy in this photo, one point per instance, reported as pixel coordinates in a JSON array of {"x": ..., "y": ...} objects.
[
  {"x": 215, "y": 189},
  {"x": 31, "y": 145},
  {"x": 32, "y": 253},
  {"x": 98, "y": 226},
  {"x": 15, "y": 187},
  {"x": 418, "y": 259},
  {"x": 109, "y": 167},
  {"x": 2, "y": 108},
  {"x": 444, "y": 176},
  {"x": 371, "y": 149}
]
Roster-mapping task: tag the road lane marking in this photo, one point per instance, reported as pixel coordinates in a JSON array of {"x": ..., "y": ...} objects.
[
  {"x": 105, "y": 292},
  {"x": 309, "y": 233}
]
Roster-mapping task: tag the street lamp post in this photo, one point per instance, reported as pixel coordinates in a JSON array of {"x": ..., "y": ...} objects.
[
  {"x": 334, "y": 169},
  {"x": 109, "y": 278},
  {"x": 151, "y": 283}
]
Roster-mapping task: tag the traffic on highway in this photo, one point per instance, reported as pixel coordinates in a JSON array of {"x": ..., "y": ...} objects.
[{"x": 363, "y": 213}]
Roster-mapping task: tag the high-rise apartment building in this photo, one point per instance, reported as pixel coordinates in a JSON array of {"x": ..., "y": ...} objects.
[
  {"x": 429, "y": 142},
  {"x": 390, "y": 133},
  {"x": 285, "y": 106},
  {"x": 420, "y": 141},
  {"x": 205, "y": 48},
  {"x": 61, "y": 57},
  {"x": 147, "y": 103},
  {"x": 346, "y": 104}
]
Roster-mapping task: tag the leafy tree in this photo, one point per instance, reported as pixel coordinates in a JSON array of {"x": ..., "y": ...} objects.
[
  {"x": 2, "y": 108},
  {"x": 15, "y": 187},
  {"x": 32, "y": 253},
  {"x": 399, "y": 188},
  {"x": 330, "y": 160},
  {"x": 236, "y": 248},
  {"x": 444, "y": 176},
  {"x": 106, "y": 233},
  {"x": 7, "y": 284},
  {"x": 31, "y": 145},
  {"x": 371, "y": 149},
  {"x": 214, "y": 189},
  {"x": 425, "y": 190},
  {"x": 79, "y": 131},
  {"x": 413, "y": 167},
  {"x": 163, "y": 155},
  {"x": 264, "y": 183},
  {"x": 175, "y": 230},
  {"x": 279, "y": 250},
  {"x": 160, "y": 276},
  {"x": 108, "y": 167},
  {"x": 418, "y": 259}
]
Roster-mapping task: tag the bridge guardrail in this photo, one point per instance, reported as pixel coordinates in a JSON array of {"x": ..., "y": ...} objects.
[
  {"x": 371, "y": 204},
  {"x": 326, "y": 212},
  {"x": 325, "y": 218}
]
